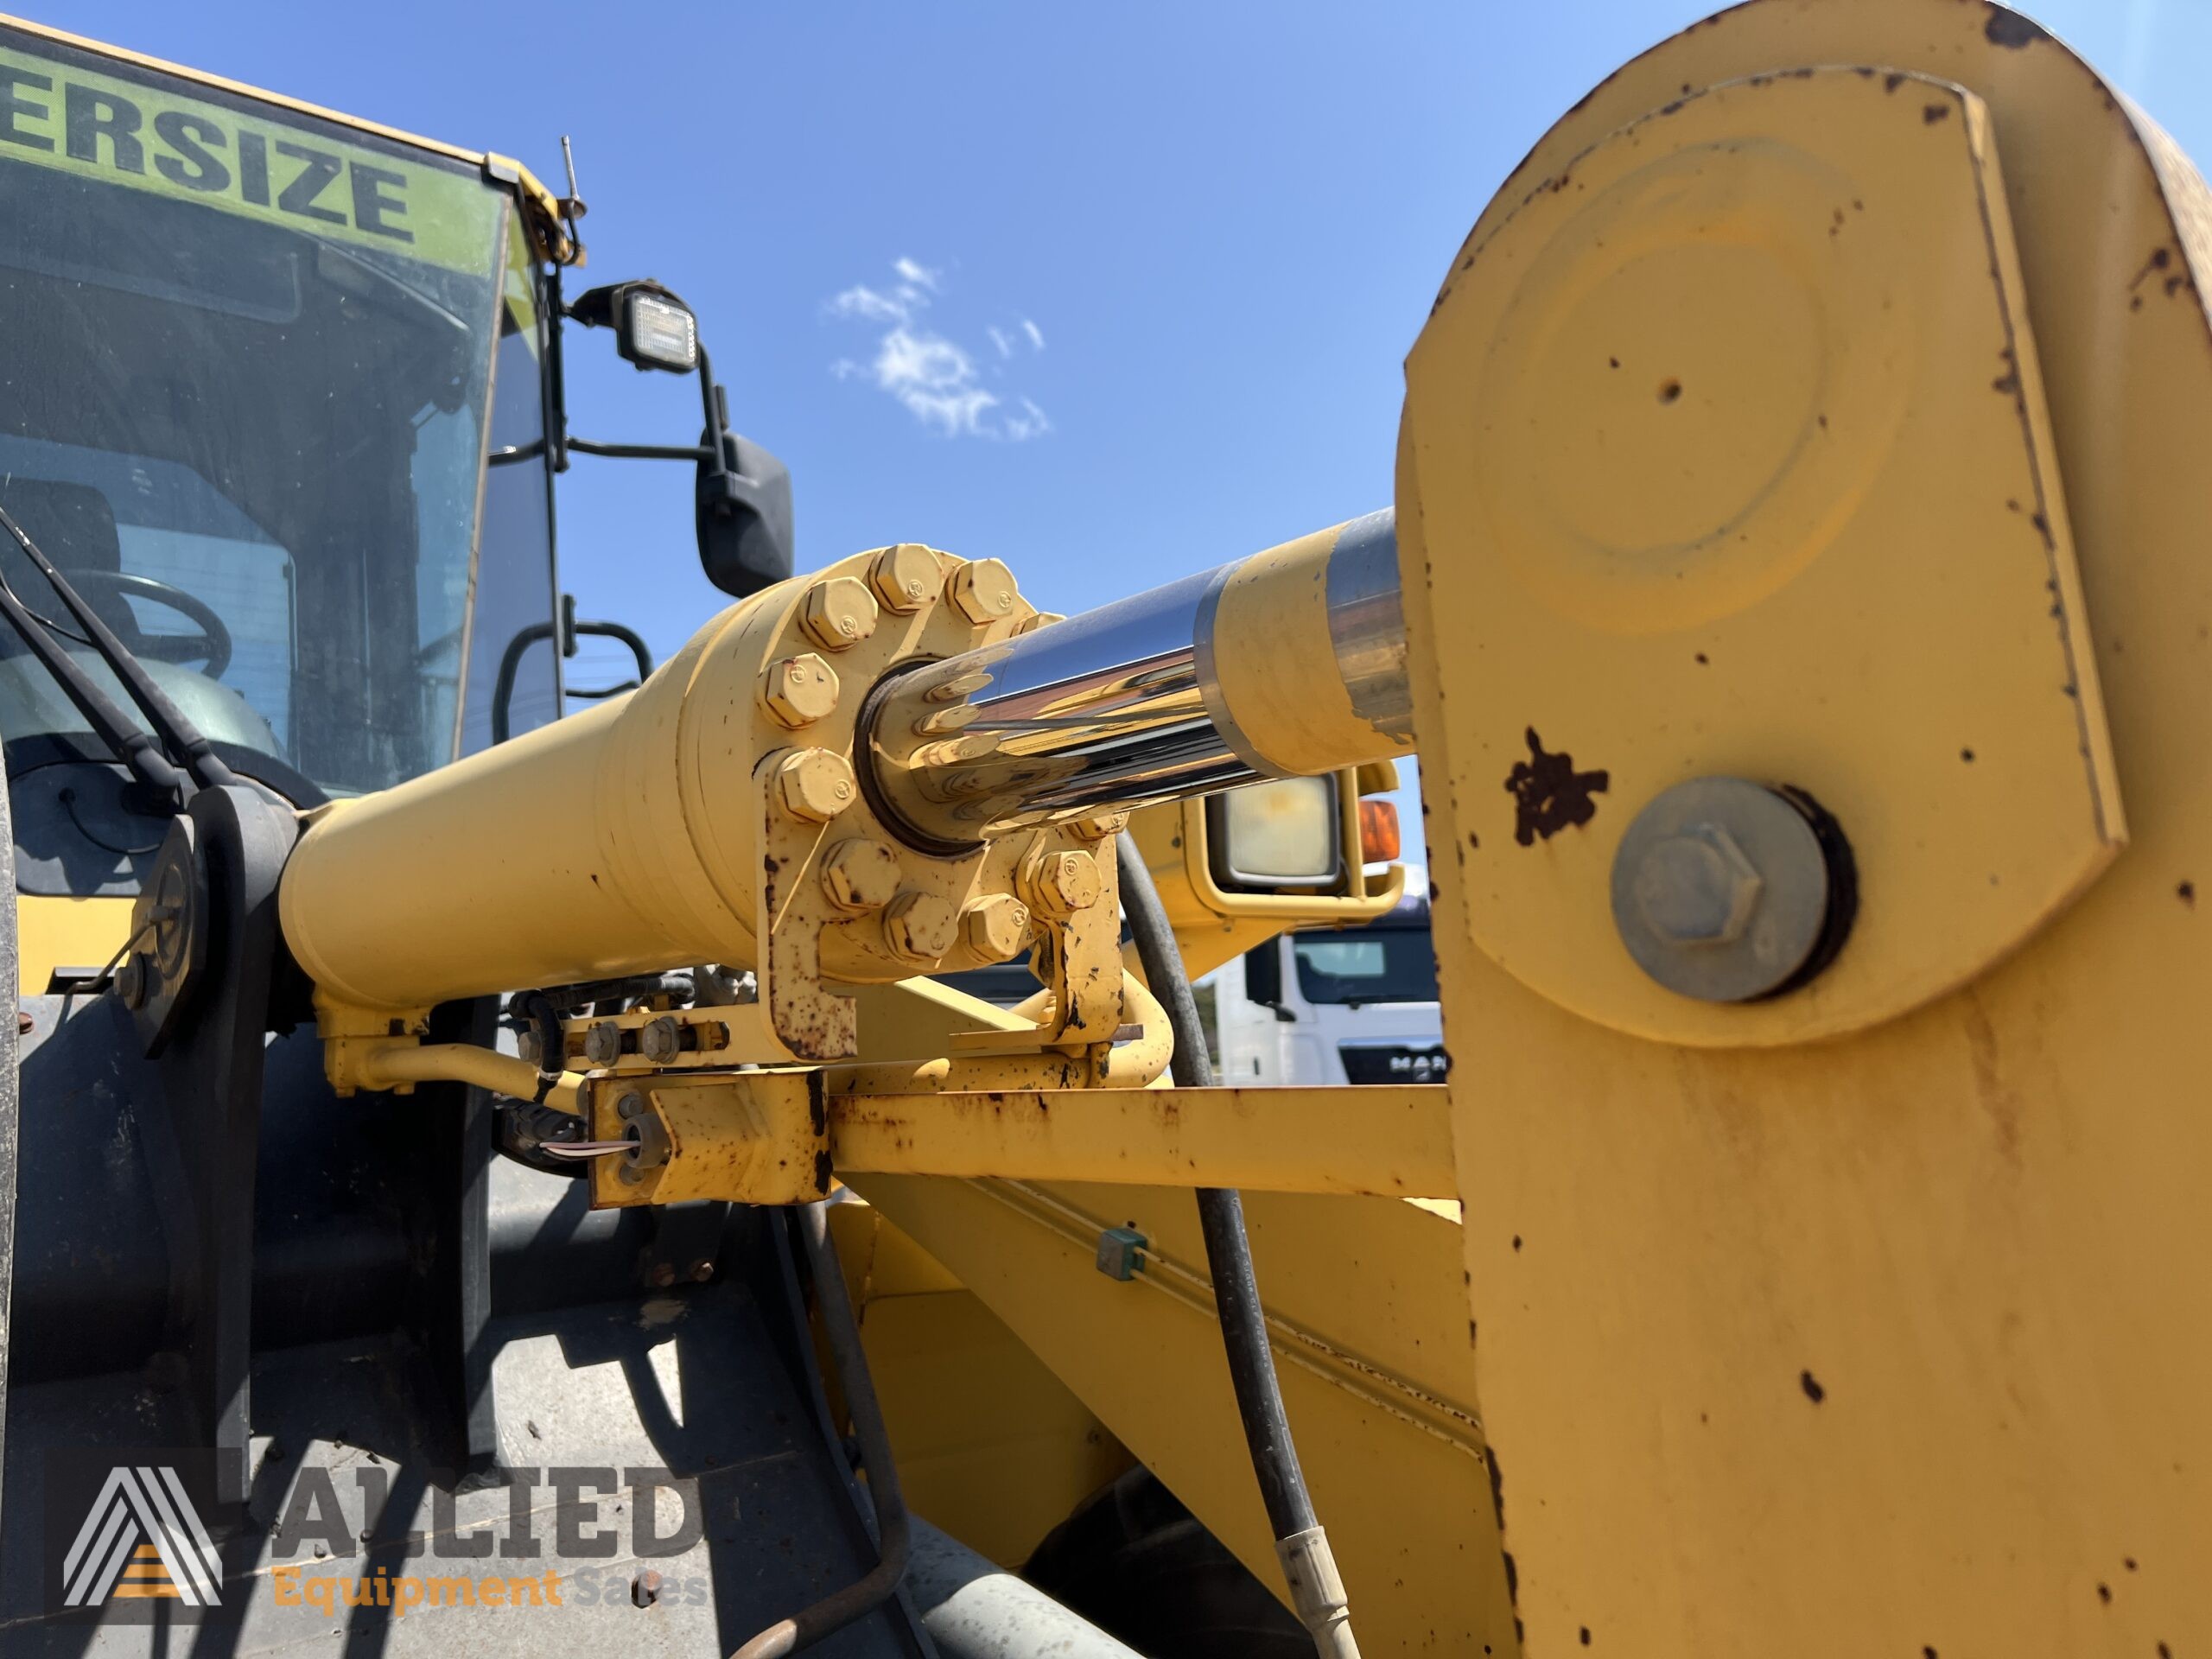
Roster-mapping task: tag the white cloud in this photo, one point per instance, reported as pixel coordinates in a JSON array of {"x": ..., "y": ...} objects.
[
  {"x": 933, "y": 375},
  {"x": 1030, "y": 424},
  {"x": 865, "y": 302},
  {"x": 934, "y": 380}
]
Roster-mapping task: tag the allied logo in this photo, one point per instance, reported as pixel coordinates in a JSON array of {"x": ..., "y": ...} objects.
[{"x": 127, "y": 1535}]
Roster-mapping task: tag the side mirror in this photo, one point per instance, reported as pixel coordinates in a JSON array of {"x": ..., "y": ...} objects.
[
  {"x": 1263, "y": 977},
  {"x": 743, "y": 512},
  {"x": 742, "y": 496}
]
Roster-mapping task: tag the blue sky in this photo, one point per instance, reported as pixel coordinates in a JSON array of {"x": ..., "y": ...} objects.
[{"x": 1204, "y": 236}]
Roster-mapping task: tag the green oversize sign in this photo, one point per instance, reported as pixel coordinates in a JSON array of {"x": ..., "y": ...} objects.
[{"x": 58, "y": 116}]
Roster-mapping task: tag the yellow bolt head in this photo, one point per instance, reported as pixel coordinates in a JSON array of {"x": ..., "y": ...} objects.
[
  {"x": 1100, "y": 827},
  {"x": 995, "y": 928},
  {"x": 861, "y": 875},
  {"x": 983, "y": 591},
  {"x": 1058, "y": 884},
  {"x": 837, "y": 614},
  {"x": 798, "y": 690},
  {"x": 904, "y": 577},
  {"x": 920, "y": 926},
  {"x": 816, "y": 786}
]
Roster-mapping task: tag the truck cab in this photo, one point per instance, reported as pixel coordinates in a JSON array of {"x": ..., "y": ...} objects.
[{"x": 1343, "y": 1005}]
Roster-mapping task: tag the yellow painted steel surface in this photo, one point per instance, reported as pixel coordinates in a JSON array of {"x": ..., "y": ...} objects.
[
  {"x": 1896, "y": 1342},
  {"x": 1368, "y": 1323},
  {"x": 1382, "y": 1141},
  {"x": 992, "y": 1447},
  {"x": 54, "y": 933}
]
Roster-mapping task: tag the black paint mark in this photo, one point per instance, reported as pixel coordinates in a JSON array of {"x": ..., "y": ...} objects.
[
  {"x": 1586, "y": 1636},
  {"x": 1966, "y": 755},
  {"x": 1516, "y": 1241},
  {"x": 2127, "y": 1561},
  {"x": 2010, "y": 28},
  {"x": 1670, "y": 391},
  {"x": 1934, "y": 112},
  {"x": 1892, "y": 81},
  {"x": 1702, "y": 659},
  {"x": 1549, "y": 795},
  {"x": 1474, "y": 841},
  {"x": 1811, "y": 1384},
  {"x": 2104, "y": 1594}
]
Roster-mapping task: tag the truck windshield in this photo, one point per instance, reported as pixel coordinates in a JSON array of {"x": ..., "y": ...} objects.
[
  {"x": 246, "y": 367},
  {"x": 1369, "y": 964}
]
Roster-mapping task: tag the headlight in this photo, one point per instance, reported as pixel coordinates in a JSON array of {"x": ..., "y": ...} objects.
[{"x": 1282, "y": 833}]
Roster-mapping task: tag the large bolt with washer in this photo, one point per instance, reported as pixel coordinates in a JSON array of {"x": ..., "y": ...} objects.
[
  {"x": 1727, "y": 890},
  {"x": 660, "y": 1040},
  {"x": 603, "y": 1043}
]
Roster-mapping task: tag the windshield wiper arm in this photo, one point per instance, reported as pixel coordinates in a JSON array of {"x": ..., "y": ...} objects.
[{"x": 179, "y": 739}]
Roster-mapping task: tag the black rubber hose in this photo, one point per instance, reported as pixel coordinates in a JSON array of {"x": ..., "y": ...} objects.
[
  {"x": 1221, "y": 1215},
  {"x": 893, "y": 1536}
]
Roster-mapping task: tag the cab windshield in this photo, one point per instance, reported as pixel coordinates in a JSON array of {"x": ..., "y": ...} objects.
[{"x": 246, "y": 384}]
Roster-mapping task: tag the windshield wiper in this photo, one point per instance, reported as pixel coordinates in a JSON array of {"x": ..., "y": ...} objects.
[{"x": 179, "y": 739}]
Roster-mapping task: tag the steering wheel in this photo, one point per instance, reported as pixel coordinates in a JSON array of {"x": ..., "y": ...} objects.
[{"x": 212, "y": 642}]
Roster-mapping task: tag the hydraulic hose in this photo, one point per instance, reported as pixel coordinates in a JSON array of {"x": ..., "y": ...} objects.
[
  {"x": 1317, "y": 1590},
  {"x": 894, "y": 1533}
]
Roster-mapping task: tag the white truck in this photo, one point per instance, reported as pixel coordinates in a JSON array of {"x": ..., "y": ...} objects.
[{"x": 1343, "y": 1005}]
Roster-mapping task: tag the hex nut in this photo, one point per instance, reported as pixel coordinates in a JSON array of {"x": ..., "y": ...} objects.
[
  {"x": 660, "y": 1040},
  {"x": 798, "y": 690},
  {"x": 814, "y": 785},
  {"x": 861, "y": 875},
  {"x": 995, "y": 928},
  {"x": 631, "y": 1105},
  {"x": 1100, "y": 826},
  {"x": 1058, "y": 884},
  {"x": 920, "y": 926},
  {"x": 983, "y": 591},
  {"x": 904, "y": 577},
  {"x": 837, "y": 614},
  {"x": 603, "y": 1044},
  {"x": 1697, "y": 887}
]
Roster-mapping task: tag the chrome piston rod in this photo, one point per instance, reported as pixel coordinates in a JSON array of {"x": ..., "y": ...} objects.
[{"x": 1292, "y": 662}]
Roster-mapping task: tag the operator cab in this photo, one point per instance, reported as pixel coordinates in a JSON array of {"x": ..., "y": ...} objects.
[{"x": 280, "y": 399}]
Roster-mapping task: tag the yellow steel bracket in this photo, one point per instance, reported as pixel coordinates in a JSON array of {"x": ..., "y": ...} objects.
[
  {"x": 775, "y": 1136},
  {"x": 1725, "y": 453},
  {"x": 754, "y": 1137}
]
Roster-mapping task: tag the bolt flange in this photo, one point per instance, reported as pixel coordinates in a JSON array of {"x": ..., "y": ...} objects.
[
  {"x": 920, "y": 926},
  {"x": 995, "y": 928},
  {"x": 1059, "y": 884},
  {"x": 983, "y": 591},
  {"x": 815, "y": 784},
  {"x": 861, "y": 875},
  {"x": 837, "y": 614},
  {"x": 905, "y": 576},
  {"x": 799, "y": 690}
]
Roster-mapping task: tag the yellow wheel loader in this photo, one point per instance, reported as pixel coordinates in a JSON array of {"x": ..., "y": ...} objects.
[{"x": 486, "y": 1180}]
